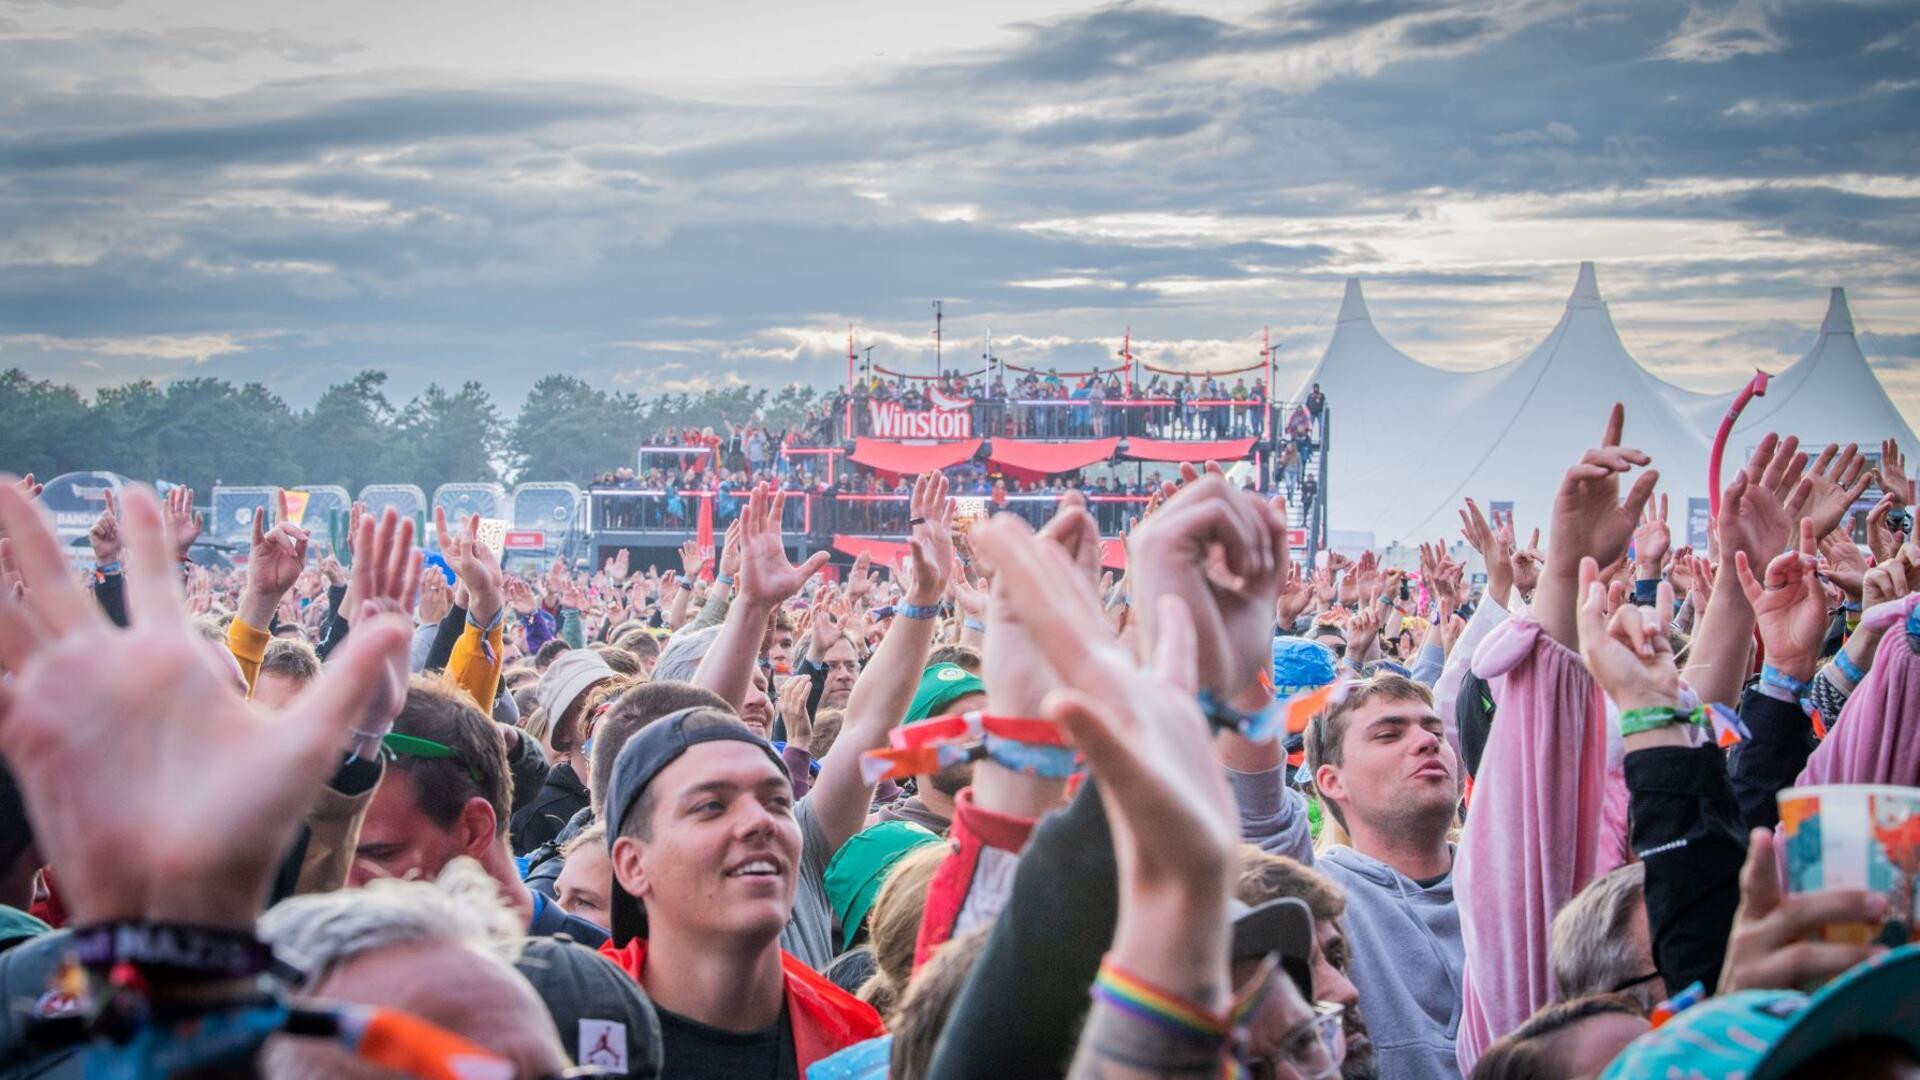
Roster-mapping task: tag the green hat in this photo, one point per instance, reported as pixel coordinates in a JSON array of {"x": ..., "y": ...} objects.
[
  {"x": 860, "y": 866},
  {"x": 942, "y": 685}
]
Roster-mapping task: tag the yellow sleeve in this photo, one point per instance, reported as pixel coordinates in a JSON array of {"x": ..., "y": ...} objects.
[
  {"x": 475, "y": 664},
  {"x": 247, "y": 646}
]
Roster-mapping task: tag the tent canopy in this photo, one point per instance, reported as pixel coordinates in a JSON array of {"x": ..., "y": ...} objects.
[
  {"x": 1144, "y": 449},
  {"x": 909, "y": 458},
  {"x": 1030, "y": 459}
]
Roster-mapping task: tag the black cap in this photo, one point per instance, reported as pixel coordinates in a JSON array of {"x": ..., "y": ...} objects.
[
  {"x": 1283, "y": 925},
  {"x": 645, "y": 755},
  {"x": 604, "y": 1017}
]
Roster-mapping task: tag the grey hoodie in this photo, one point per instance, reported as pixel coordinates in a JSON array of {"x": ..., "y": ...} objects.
[{"x": 1407, "y": 963}]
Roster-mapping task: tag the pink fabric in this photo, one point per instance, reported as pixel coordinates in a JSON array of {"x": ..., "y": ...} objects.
[
  {"x": 1542, "y": 826},
  {"x": 1877, "y": 740}
]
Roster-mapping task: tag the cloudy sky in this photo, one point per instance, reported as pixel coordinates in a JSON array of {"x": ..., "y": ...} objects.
[{"x": 658, "y": 196}]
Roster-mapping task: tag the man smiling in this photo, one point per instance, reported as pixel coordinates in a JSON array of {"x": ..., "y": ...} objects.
[{"x": 707, "y": 855}]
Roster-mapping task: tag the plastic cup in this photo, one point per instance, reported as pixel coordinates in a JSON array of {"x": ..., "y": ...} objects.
[{"x": 1856, "y": 836}]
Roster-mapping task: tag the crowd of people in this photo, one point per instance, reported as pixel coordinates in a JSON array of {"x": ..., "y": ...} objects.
[{"x": 989, "y": 812}]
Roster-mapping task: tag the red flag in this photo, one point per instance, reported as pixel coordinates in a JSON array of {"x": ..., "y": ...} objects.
[{"x": 703, "y": 533}]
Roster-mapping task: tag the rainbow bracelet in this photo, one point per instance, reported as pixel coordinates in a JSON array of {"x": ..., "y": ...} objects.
[{"x": 1135, "y": 997}]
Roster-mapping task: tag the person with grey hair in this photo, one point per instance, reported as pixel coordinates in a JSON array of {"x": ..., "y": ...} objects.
[
  {"x": 1601, "y": 944},
  {"x": 451, "y": 952},
  {"x": 681, "y": 656},
  {"x": 436, "y": 950}
]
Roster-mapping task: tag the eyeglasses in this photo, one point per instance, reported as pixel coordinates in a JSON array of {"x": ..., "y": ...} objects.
[
  {"x": 851, "y": 666},
  {"x": 1631, "y": 983},
  {"x": 1314, "y": 1049}
]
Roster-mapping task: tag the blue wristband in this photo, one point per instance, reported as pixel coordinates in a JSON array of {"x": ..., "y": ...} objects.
[
  {"x": 974, "y": 624},
  {"x": 916, "y": 611},
  {"x": 1773, "y": 676},
  {"x": 107, "y": 568},
  {"x": 1848, "y": 668},
  {"x": 723, "y": 579}
]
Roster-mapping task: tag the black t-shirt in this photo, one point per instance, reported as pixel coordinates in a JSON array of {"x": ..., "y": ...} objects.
[{"x": 694, "y": 1051}]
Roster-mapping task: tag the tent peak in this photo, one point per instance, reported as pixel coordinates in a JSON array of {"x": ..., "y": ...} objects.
[
  {"x": 1586, "y": 290},
  {"x": 1839, "y": 318},
  {"x": 1353, "y": 306}
]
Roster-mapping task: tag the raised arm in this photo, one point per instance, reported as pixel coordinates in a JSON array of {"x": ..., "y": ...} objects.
[
  {"x": 886, "y": 686},
  {"x": 274, "y": 561},
  {"x": 1536, "y": 835},
  {"x": 767, "y": 579},
  {"x": 1753, "y": 519}
]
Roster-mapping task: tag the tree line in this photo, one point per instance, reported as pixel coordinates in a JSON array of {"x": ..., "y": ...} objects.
[{"x": 204, "y": 431}]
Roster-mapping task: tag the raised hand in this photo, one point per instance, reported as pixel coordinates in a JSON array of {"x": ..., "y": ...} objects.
[
  {"x": 1837, "y": 480},
  {"x": 766, "y": 577},
  {"x": 693, "y": 559},
  {"x": 274, "y": 561},
  {"x": 1846, "y": 567},
  {"x": 519, "y": 596},
  {"x": 1625, "y": 646},
  {"x": 183, "y": 522},
  {"x": 793, "y": 710},
  {"x": 1232, "y": 607},
  {"x": 862, "y": 579},
  {"x": 1651, "y": 540},
  {"x": 931, "y": 542},
  {"x": 622, "y": 566},
  {"x": 1893, "y": 474},
  {"x": 1591, "y": 521},
  {"x": 1296, "y": 596},
  {"x": 1526, "y": 564},
  {"x": 730, "y": 554},
  {"x": 1892, "y": 579},
  {"x": 1753, "y": 510},
  {"x": 205, "y": 796},
  {"x": 1790, "y": 605},
  {"x": 104, "y": 536},
  {"x": 1139, "y": 727},
  {"x": 386, "y": 577},
  {"x": 436, "y": 597},
  {"x": 473, "y": 563},
  {"x": 28, "y": 487},
  {"x": 1495, "y": 545},
  {"x": 1881, "y": 539}
]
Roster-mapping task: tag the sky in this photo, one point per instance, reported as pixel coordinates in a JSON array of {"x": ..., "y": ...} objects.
[{"x": 660, "y": 197}]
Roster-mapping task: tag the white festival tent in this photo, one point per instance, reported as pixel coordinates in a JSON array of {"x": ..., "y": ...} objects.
[
  {"x": 1830, "y": 395},
  {"x": 1508, "y": 433}
]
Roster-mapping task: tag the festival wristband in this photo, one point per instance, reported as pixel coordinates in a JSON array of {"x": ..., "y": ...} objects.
[
  {"x": 172, "y": 952},
  {"x": 974, "y": 624},
  {"x": 1289, "y": 713},
  {"x": 931, "y": 745},
  {"x": 908, "y": 610},
  {"x": 1724, "y": 723},
  {"x": 723, "y": 580},
  {"x": 1773, "y": 676},
  {"x": 1170, "y": 1012},
  {"x": 1848, "y": 668},
  {"x": 107, "y": 569}
]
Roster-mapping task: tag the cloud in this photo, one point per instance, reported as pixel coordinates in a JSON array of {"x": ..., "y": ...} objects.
[
  {"x": 1712, "y": 33},
  {"x": 1191, "y": 173}
]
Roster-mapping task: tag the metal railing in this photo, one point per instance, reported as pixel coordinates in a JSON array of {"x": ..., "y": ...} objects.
[{"x": 1083, "y": 418}]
